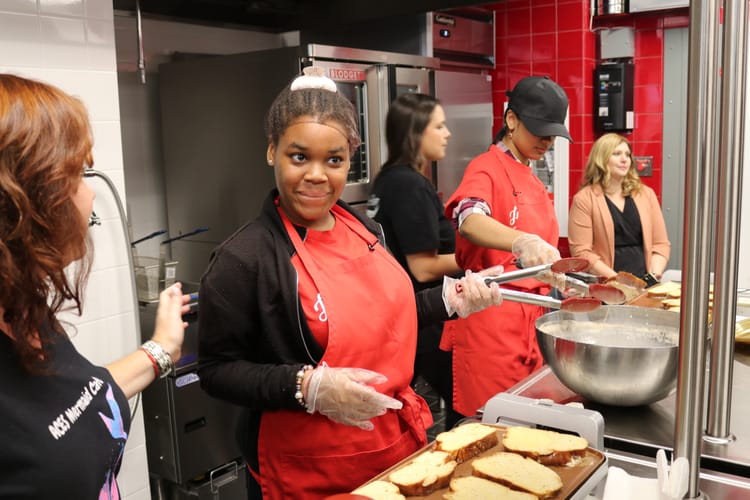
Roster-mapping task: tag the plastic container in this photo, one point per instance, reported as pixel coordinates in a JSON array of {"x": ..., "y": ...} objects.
[{"x": 152, "y": 275}]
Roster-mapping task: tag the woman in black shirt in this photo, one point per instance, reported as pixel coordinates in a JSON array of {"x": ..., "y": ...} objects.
[{"x": 417, "y": 233}]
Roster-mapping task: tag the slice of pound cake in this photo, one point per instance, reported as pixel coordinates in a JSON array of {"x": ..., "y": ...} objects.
[
  {"x": 546, "y": 447},
  {"x": 476, "y": 488},
  {"x": 518, "y": 473},
  {"x": 428, "y": 472},
  {"x": 467, "y": 441}
]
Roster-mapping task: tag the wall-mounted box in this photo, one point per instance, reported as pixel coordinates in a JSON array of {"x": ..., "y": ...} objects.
[
  {"x": 617, "y": 43},
  {"x": 613, "y": 99},
  {"x": 644, "y": 165}
]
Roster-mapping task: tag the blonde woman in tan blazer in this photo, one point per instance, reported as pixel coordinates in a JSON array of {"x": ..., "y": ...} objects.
[{"x": 615, "y": 221}]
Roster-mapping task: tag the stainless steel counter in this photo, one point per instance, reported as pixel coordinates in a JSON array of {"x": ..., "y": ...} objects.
[
  {"x": 643, "y": 430},
  {"x": 714, "y": 485}
]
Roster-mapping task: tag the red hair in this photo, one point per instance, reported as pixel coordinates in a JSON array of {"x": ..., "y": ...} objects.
[{"x": 45, "y": 142}]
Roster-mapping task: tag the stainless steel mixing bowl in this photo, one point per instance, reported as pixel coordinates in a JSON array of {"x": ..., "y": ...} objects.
[{"x": 615, "y": 355}]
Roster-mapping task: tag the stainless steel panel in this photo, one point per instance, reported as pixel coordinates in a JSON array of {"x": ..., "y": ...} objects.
[
  {"x": 467, "y": 101},
  {"x": 461, "y": 35},
  {"x": 370, "y": 56},
  {"x": 673, "y": 145},
  {"x": 213, "y": 112},
  {"x": 370, "y": 98},
  {"x": 214, "y": 145}
]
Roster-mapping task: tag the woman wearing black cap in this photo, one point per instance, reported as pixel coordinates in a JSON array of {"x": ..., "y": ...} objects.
[{"x": 503, "y": 213}]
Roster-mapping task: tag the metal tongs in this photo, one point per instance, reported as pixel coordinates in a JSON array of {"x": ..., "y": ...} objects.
[
  {"x": 604, "y": 293},
  {"x": 573, "y": 304}
]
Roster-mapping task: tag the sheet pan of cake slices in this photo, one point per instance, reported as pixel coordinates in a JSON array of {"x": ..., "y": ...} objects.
[{"x": 575, "y": 476}]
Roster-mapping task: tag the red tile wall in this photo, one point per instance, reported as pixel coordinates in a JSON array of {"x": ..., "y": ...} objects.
[{"x": 555, "y": 38}]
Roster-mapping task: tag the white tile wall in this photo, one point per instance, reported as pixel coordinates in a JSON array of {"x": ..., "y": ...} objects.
[
  {"x": 70, "y": 43},
  {"x": 19, "y": 6}
]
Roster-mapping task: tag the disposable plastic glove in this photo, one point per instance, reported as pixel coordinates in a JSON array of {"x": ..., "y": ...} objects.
[
  {"x": 341, "y": 394},
  {"x": 531, "y": 250},
  {"x": 560, "y": 282},
  {"x": 471, "y": 294}
]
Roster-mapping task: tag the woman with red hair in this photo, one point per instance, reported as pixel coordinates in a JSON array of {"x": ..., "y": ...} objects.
[{"x": 65, "y": 421}]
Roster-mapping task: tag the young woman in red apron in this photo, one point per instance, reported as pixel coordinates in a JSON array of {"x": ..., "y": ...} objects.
[
  {"x": 310, "y": 324},
  {"x": 504, "y": 213},
  {"x": 378, "y": 335}
]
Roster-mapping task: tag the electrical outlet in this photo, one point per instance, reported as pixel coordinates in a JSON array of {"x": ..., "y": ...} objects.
[{"x": 644, "y": 165}]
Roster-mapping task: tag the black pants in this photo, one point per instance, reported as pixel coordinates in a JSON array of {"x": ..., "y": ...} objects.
[
  {"x": 253, "y": 488},
  {"x": 436, "y": 368}
]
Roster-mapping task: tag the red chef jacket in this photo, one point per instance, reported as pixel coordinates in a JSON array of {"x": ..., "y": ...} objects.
[{"x": 495, "y": 348}]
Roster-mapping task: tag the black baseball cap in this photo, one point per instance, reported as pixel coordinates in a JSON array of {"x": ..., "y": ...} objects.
[{"x": 541, "y": 104}]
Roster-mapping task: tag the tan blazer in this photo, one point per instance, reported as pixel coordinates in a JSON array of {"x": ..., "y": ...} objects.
[{"x": 591, "y": 232}]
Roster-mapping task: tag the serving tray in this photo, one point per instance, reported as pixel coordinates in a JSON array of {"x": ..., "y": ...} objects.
[{"x": 574, "y": 478}]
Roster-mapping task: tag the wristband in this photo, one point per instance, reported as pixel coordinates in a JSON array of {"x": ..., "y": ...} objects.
[
  {"x": 153, "y": 362},
  {"x": 160, "y": 356}
]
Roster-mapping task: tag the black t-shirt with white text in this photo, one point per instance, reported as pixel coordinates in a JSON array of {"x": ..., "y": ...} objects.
[{"x": 63, "y": 433}]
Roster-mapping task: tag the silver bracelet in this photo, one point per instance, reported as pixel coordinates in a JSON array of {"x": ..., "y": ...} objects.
[{"x": 162, "y": 357}]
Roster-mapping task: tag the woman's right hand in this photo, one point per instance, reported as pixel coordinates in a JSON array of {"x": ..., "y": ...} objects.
[
  {"x": 344, "y": 396},
  {"x": 531, "y": 250},
  {"x": 169, "y": 331}
]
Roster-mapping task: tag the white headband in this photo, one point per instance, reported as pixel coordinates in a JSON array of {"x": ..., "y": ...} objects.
[{"x": 313, "y": 77}]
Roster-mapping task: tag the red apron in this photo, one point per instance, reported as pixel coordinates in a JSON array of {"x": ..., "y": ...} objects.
[
  {"x": 496, "y": 348},
  {"x": 371, "y": 324}
]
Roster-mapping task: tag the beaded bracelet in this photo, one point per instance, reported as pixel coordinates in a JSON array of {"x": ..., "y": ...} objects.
[
  {"x": 162, "y": 358},
  {"x": 298, "y": 385}
]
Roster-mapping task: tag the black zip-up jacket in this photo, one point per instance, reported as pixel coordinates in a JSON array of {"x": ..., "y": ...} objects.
[{"x": 251, "y": 326}]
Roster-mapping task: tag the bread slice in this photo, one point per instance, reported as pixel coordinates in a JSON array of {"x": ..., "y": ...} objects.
[
  {"x": 427, "y": 473},
  {"x": 519, "y": 473},
  {"x": 546, "y": 447},
  {"x": 676, "y": 294},
  {"x": 434, "y": 458},
  {"x": 467, "y": 441},
  {"x": 670, "y": 303},
  {"x": 380, "y": 490},
  {"x": 477, "y": 488},
  {"x": 663, "y": 289}
]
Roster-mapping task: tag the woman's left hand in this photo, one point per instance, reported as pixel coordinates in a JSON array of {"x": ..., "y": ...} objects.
[{"x": 169, "y": 331}]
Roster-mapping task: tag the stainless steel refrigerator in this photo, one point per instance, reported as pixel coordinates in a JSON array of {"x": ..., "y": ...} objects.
[{"x": 467, "y": 100}]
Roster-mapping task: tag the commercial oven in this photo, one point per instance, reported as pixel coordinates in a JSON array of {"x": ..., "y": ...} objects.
[{"x": 213, "y": 111}]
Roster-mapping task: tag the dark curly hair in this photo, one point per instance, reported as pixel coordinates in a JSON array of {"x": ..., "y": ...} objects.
[{"x": 45, "y": 143}]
